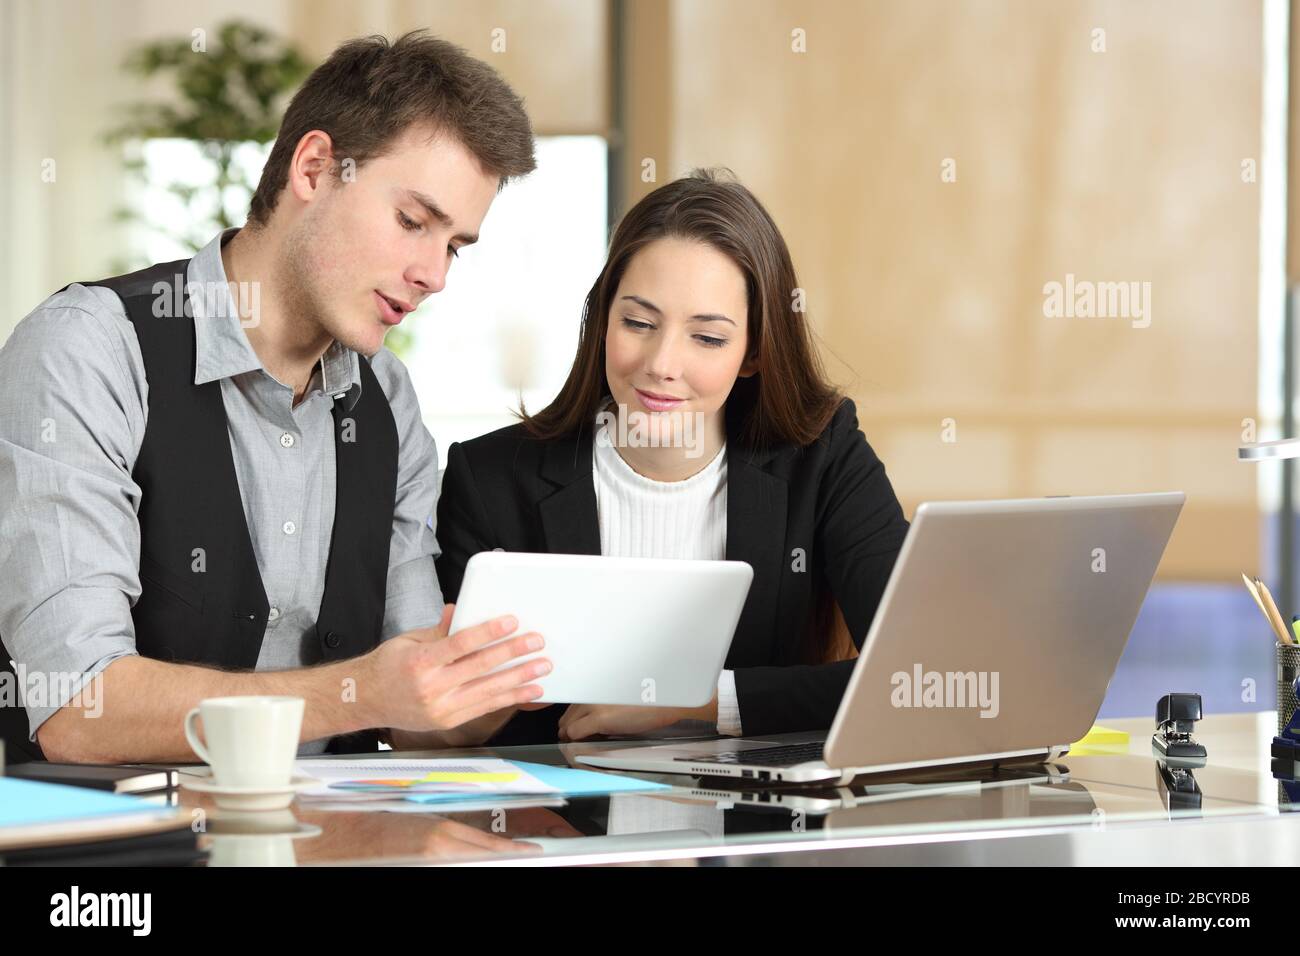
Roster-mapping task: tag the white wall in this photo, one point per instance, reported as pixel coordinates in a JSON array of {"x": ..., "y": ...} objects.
[{"x": 61, "y": 85}]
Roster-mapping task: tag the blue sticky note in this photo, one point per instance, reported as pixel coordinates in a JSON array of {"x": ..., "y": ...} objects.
[
  {"x": 27, "y": 802},
  {"x": 568, "y": 780}
]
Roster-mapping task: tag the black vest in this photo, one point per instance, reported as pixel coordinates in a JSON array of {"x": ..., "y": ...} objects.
[{"x": 190, "y": 500}]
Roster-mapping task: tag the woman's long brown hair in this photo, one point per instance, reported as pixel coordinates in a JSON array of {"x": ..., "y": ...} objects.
[{"x": 790, "y": 400}]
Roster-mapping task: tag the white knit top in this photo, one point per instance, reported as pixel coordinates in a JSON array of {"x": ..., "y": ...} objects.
[{"x": 643, "y": 518}]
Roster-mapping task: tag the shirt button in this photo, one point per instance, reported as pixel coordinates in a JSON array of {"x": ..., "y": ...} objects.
[
  {"x": 289, "y": 527},
  {"x": 286, "y": 440},
  {"x": 273, "y": 614}
]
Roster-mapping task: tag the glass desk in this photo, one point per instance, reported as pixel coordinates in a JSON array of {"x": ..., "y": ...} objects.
[{"x": 1112, "y": 802}]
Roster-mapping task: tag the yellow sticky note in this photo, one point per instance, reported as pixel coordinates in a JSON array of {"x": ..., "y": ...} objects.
[
  {"x": 1101, "y": 740},
  {"x": 470, "y": 777}
]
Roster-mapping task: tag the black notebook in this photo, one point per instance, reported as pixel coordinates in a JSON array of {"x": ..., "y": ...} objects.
[
  {"x": 115, "y": 778},
  {"x": 175, "y": 847}
]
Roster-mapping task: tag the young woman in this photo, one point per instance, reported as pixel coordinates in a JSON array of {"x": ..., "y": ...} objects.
[{"x": 696, "y": 422}]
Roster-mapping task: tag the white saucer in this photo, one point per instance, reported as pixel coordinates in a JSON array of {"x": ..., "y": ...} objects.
[
  {"x": 250, "y": 798},
  {"x": 303, "y": 830},
  {"x": 257, "y": 824}
]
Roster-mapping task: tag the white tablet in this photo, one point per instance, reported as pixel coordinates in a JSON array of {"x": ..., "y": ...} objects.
[{"x": 636, "y": 631}]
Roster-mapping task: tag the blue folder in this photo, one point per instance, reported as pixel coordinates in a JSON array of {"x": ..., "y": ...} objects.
[
  {"x": 568, "y": 780},
  {"x": 29, "y": 802}
]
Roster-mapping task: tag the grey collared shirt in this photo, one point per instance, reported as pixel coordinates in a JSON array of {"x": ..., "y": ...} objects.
[{"x": 73, "y": 407}]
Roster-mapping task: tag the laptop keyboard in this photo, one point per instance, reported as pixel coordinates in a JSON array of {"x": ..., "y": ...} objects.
[{"x": 780, "y": 756}]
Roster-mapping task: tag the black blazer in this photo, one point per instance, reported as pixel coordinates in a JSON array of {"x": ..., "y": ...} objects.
[{"x": 831, "y": 499}]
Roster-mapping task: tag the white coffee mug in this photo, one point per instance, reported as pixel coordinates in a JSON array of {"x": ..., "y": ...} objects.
[{"x": 251, "y": 741}]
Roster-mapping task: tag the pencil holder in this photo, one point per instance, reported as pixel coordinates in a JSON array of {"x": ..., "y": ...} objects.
[{"x": 1288, "y": 668}]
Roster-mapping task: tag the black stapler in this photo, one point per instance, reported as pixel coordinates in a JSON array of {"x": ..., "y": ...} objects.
[
  {"x": 1175, "y": 715},
  {"x": 1178, "y": 788}
]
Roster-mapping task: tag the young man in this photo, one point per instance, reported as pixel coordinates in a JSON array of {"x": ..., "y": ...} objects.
[{"x": 215, "y": 481}]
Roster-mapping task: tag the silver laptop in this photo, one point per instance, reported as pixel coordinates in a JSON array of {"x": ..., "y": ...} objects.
[
  {"x": 995, "y": 640},
  {"x": 959, "y": 786}
]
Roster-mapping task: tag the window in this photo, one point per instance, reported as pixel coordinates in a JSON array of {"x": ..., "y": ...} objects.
[
  {"x": 506, "y": 325},
  {"x": 175, "y": 198}
]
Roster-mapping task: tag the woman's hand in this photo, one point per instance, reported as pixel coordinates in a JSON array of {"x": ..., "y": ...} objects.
[
  {"x": 479, "y": 732},
  {"x": 586, "y": 720},
  {"x": 473, "y": 733}
]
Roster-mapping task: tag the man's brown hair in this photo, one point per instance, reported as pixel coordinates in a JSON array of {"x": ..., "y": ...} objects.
[{"x": 369, "y": 92}]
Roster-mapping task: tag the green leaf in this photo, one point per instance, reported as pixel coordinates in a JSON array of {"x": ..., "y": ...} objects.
[{"x": 232, "y": 93}]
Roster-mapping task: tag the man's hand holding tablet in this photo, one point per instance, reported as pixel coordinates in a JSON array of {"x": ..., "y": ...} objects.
[{"x": 430, "y": 680}]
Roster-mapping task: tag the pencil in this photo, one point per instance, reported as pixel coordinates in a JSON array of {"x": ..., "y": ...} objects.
[{"x": 1276, "y": 618}]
